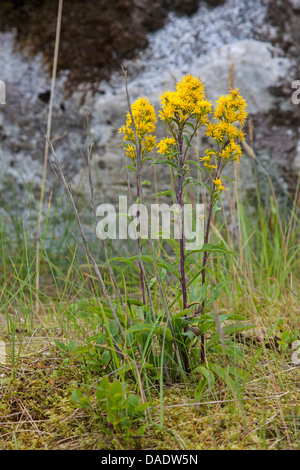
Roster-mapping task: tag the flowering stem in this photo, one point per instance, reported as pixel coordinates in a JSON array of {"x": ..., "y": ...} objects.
[
  {"x": 181, "y": 243},
  {"x": 205, "y": 255},
  {"x": 139, "y": 242},
  {"x": 165, "y": 304}
]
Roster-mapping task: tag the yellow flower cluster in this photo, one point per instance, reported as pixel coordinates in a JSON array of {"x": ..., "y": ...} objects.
[
  {"x": 144, "y": 122},
  {"x": 223, "y": 130},
  {"x": 187, "y": 106},
  {"x": 231, "y": 151},
  {"x": 167, "y": 147},
  {"x": 219, "y": 184},
  {"x": 188, "y": 101},
  {"x": 209, "y": 155},
  {"x": 230, "y": 113},
  {"x": 231, "y": 108}
]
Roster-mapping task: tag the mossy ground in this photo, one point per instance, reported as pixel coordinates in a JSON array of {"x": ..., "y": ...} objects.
[{"x": 37, "y": 412}]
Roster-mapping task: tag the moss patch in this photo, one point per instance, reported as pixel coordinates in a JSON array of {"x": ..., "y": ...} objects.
[{"x": 96, "y": 36}]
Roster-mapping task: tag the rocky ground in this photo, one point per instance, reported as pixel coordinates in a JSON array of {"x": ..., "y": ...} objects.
[{"x": 157, "y": 42}]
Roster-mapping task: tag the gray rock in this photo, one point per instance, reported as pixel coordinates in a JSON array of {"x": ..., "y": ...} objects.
[
  {"x": 256, "y": 69},
  {"x": 205, "y": 44},
  {"x": 295, "y": 5}
]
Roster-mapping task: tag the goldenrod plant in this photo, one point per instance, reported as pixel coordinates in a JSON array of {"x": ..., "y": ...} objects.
[{"x": 185, "y": 111}]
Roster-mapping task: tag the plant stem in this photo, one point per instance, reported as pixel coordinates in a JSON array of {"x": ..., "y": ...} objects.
[
  {"x": 181, "y": 243},
  {"x": 205, "y": 255},
  {"x": 139, "y": 241},
  {"x": 54, "y": 70},
  {"x": 164, "y": 300},
  {"x": 138, "y": 246}
]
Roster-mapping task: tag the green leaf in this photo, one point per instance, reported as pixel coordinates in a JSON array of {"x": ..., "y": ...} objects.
[
  {"x": 234, "y": 327},
  {"x": 187, "y": 141},
  {"x": 139, "y": 327},
  {"x": 200, "y": 389},
  {"x": 216, "y": 293},
  {"x": 237, "y": 372},
  {"x": 123, "y": 260},
  {"x": 145, "y": 159},
  {"x": 163, "y": 331},
  {"x": 166, "y": 162},
  {"x": 181, "y": 314},
  {"x": 224, "y": 374},
  {"x": 210, "y": 248},
  {"x": 135, "y": 302},
  {"x": 66, "y": 347},
  {"x": 80, "y": 399},
  {"x": 76, "y": 395},
  {"x": 168, "y": 192},
  {"x": 131, "y": 168},
  {"x": 226, "y": 178},
  {"x": 189, "y": 180},
  {"x": 151, "y": 282},
  {"x": 208, "y": 374},
  {"x": 163, "y": 264},
  {"x": 189, "y": 334},
  {"x": 148, "y": 258},
  {"x": 286, "y": 335},
  {"x": 60, "y": 345},
  {"x": 189, "y": 124},
  {"x": 207, "y": 187},
  {"x": 216, "y": 208},
  {"x": 163, "y": 273},
  {"x": 208, "y": 325},
  {"x": 231, "y": 316}
]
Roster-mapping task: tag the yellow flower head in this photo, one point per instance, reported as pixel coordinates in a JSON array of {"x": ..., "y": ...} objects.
[
  {"x": 230, "y": 115},
  {"x": 144, "y": 118},
  {"x": 207, "y": 160},
  {"x": 231, "y": 108},
  {"x": 167, "y": 147},
  {"x": 231, "y": 151},
  {"x": 188, "y": 101},
  {"x": 219, "y": 184}
]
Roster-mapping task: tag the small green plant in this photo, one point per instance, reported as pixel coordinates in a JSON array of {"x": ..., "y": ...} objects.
[
  {"x": 123, "y": 411},
  {"x": 287, "y": 337}
]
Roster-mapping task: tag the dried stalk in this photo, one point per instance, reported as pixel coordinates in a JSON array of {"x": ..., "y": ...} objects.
[
  {"x": 141, "y": 263},
  {"x": 54, "y": 70},
  {"x": 60, "y": 175},
  {"x": 93, "y": 204}
]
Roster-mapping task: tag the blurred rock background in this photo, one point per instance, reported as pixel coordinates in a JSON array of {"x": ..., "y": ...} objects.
[{"x": 157, "y": 41}]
